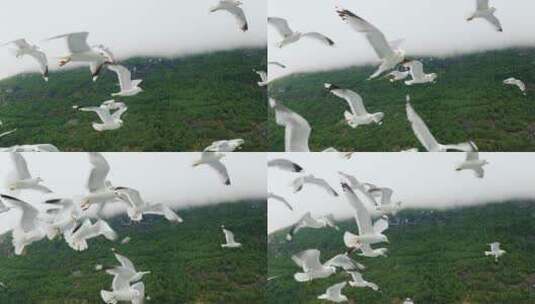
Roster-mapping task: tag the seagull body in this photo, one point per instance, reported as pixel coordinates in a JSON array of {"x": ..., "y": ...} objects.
[
  {"x": 484, "y": 11},
  {"x": 495, "y": 251},
  {"x": 473, "y": 162},
  {"x": 416, "y": 70},
  {"x": 213, "y": 160},
  {"x": 225, "y": 145},
  {"x": 128, "y": 86},
  {"x": 358, "y": 115},
  {"x": 300, "y": 181},
  {"x": 389, "y": 53},
  {"x": 229, "y": 239},
  {"x": 280, "y": 199},
  {"x": 334, "y": 293},
  {"x": 26, "y": 49},
  {"x": 21, "y": 178},
  {"x": 426, "y": 138},
  {"x": 86, "y": 231},
  {"x": 307, "y": 221},
  {"x": 397, "y": 75},
  {"x": 516, "y": 82},
  {"x": 285, "y": 165},
  {"x": 263, "y": 78},
  {"x": 358, "y": 281},
  {"x": 309, "y": 261},
  {"x": 289, "y": 36},
  {"x": 234, "y": 8},
  {"x": 109, "y": 121}
]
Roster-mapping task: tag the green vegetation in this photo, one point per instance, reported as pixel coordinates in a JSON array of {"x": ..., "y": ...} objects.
[
  {"x": 186, "y": 260},
  {"x": 188, "y": 102},
  {"x": 469, "y": 101},
  {"x": 435, "y": 257}
]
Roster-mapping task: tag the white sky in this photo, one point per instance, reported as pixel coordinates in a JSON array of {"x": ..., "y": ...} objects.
[
  {"x": 140, "y": 27},
  {"x": 428, "y": 27},
  {"x": 425, "y": 180},
  {"x": 160, "y": 177}
]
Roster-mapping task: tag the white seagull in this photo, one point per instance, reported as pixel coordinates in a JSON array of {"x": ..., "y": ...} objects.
[
  {"x": 263, "y": 78},
  {"x": 358, "y": 281},
  {"x": 307, "y": 221},
  {"x": 300, "y": 181},
  {"x": 416, "y": 70},
  {"x": 86, "y": 230},
  {"x": 516, "y": 82},
  {"x": 385, "y": 205},
  {"x": 334, "y": 293},
  {"x": 24, "y": 48},
  {"x": 213, "y": 160},
  {"x": 226, "y": 145},
  {"x": 473, "y": 162},
  {"x": 389, "y": 52},
  {"x": 100, "y": 189},
  {"x": 233, "y": 7},
  {"x": 230, "y": 242},
  {"x": 296, "y": 129},
  {"x": 358, "y": 115},
  {"x": 495, "y": 251},
  {"x": 128, "y": 86},
  {"x": 137, "y": 206},
  {"x": 285, "y": 165},
  {"x": 484, "y": 11},
  {"x": 21, "y": 178},
  {"x": 345, "y": 262},
  {"x": 289, "y": 36},
  {"x": 127, "y": 271},
  {"x": 309, "y": 261},
  {"x": 109, "y": 121},
  {"x": 426, "y": 138},
  {"x": 280, "y": 199}
]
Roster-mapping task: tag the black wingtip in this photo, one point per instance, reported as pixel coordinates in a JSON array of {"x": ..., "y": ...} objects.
[
  {"x": 9, "y": 197},
  {"x": 53, "y": 201},
  {"x": 227, "y": 182},
  {"x": 297, "y": 168},
  {"x": 346, "y": 187}
]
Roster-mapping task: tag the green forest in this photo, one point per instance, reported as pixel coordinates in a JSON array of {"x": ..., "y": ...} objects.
[
  {"x": 434, "y": 257},
  {"x": 187, "y": 103},
  {"x": 468, "y": 102},
  {"x": 186, "y": 261}
]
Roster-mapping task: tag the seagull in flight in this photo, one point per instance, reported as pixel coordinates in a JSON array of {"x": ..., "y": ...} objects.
[
  {"x": 416, "y": 70},
  {"x": 309, "y": 261},
  {"x": 281, "y": 199},
  {"x": 123, "y": 276},
  {"x": 20, "y": 178},
  {"x": 24, "y": 48},
  {"x": 225, "y": 145},
  {"x": 263, "y": 78},
  {"x": 486, "y": 12},
  {"x": 516, "y": 82},
  {"x": 128, "y": 86},
  {"x": 334, "y": 293},
  {"x": 285, "y": 165},
  {"x": 289, "y": 36},
  {"x": 213, "y": 160},
  {"x": 473, "y": 162},
  {"x": 230, "y": 242},
  {"x": 234, "y": 8},
  {"x": 358, "y": 281},
  {"x": 495, "y": 251},
  {"x": 109, "y": 121},
  {"x": 301, "y": 181},
  {"x": 296, "y": 129},
  {"x": 307, "y": 221}
]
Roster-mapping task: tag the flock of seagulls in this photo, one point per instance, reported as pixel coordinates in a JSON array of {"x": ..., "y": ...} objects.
[
  {"x": 394, "y": 66},
  {"x": 79, "y": 219}
]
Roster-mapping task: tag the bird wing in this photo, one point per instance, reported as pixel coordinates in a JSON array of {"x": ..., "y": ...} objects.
[
  {"x": 239, "y": 15},
  {"x": 280, "y": 199},
  {"x": 102, "y": 112},
  {"x": 221, "y": 170},
  {"x": 341, "y": 261},
  {"x": 76, "y": 42},
  {"x": 472, "y": 155},
  {"x": 479, "y": 172},
  {"x": 7, "y": 133},
  {"x": 362, "y": 215},
  {"x": 375, "y": 37},
  {"x": 20, "y": 43},
  {"x": 161, "y": 209},
  {"x": 297, "y": 129},
  {"x": 21, "y": 167},
  {"x": 131, "y": 196},
  {"x": 356, "y": 276},
  {"x": 336, "y": 290},
  {"x": 416, "y": 69},
  {"x": 321, "y": 183},
  {"x": 29, "y": 213},
  {"x": 494, "y": 21},
  {"x": 320, "y": 37},
  {"x": 229, "y": 236},
  {"x": 353, "y": 99},
  {"x": 281, "y": 25},
  {"x": 125, "y": 262},
  {"x": 309, "y": 260},
  {"x": 380, "y": 225},
  {"x": 123, "y": 74},
  {"x": 121, "y": 279},
  {"x": 420, "y": 130},
  {"x": 41, "y": 58},
  {"x": 285, "y": 164},
  {"x": 482, "y": 5},
  {"x": 99, "y": 172}
]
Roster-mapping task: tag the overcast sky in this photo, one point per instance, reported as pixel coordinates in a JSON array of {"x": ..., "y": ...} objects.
[
  {"x": 419, "y": 180},
  {"x": 160, "y": 177},
  {"x": 141, "y": 27},
  {"x": 428, "y": 27}
]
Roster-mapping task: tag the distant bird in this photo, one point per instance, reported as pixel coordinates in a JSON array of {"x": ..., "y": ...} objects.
[
  {"x": 358, "y": 115},
  {"x": 128, "y": 86},
  {"x": 230, "y": 242},
  {"x": 31, "y": 148},
  {"x": 98, "y": 267},
  {"x": 397, "y": 75},
  {"x": 86, "y": 230},
  {"x": 495, "y": 251},
  {"x": 408, "y": 301},
  {"x": 109, "y": 121},
  {"x": 296, "y": 129},
  {"x": 225, "y": 145},
  {"x": 24, "y": 48},
  {"x": 289, "y": 36},
  {"x": 389, "y": 52},
  {"x": 234, "y": 8},
  {"x": 473, "y": 162},
  {"x": 20, "y": 178},
  {"x": 516, "y": 82},
  {"x": 484, "y": 11},
  {"x": 280, "y": 199},
  {"x": 426, "y": 138},
  {"x": 358, "y": 281},
  {"x": 307, "y": 221},
  {"x": 80, "y": 51},
  {"x": 276, "y": 63},
  {"x": 285, "y": 165},
  {"x": 8, "y": 133},
  {"x": 301, "y": 181},
  {"x": 213, "y": 160},
  {"x": 263, "y": 78},
  {"x": 309, "y": 261},
  {"x": 344, "y": 262},
  {"x": 416, "y": 70},
  {"x": 334, "y": 293}
]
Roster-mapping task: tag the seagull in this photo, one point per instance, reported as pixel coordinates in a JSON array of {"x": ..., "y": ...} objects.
[
  {"x": 516, "y": 82},
  {"x": 483, "y": 10},
  {"x": 21, "y": 178},
  {"x": 127, "y": 271},
  {"x": 285, "y": 165},
  {"x": 86, "y": 230},
  {"x": 100, "y": 189},
  {"x": 290, "y": 37},
  {"x": 226, "y": 145},
  {"x": 389, "y": 52},
  {"x": 368, "y": 234},
  {"x": 229, "y": 239},
  {"x": 80, "y": 51},
  {"x": 31, "y": 148},
  {"x": 8, "y": 133},
  {"x": 24, "y": 48},
  {"x": 263, "y": 77},
  {"x": 309, "y": 261},
  {"x": 137, "y": 206},
  {"x": 233, "y": 7},
  {"x": 113, "y": 105},
  {"x": 276, "y": 63},
  {"x": 109, "y": 121},
  {"x": 358, "y": 115},
  {"x": 128, "y": 86},
  {"x": 65, "y": 215},
  {"x": 307, "y": 221},
  {"x": 358, "y": 281},
  {"x": 345, "y": 262},
  {"x": 385, "y": 206},
  {"x": 473, "y": 162},
  {"x": 397, "y": 75},
  {"x": 280, "y": 199},
  {"x": 299, "y": 182},
  {"x": 369, "y": 252},
  {"x": 416, "y": 70},
  {"x": 334, "y": 293},
  {"x": 122, "y": 291},
  {"x": 495, "y": 251},
  {"x": 426, "y": 138},
  {"x": 213, "y": 160}
]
